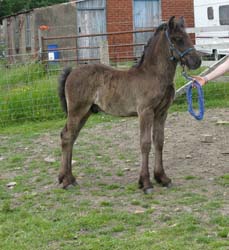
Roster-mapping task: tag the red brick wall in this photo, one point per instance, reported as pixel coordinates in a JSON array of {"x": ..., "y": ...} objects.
[
  {"x": 120, "y": 18},
  {"x": 178, "y": 8}
]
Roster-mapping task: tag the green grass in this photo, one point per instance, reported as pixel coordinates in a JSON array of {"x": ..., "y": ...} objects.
[
  {"x": 35, "y": 127},
  {"x": 82, "y": 227},
  {"x": 29, "y": 93},
  {"x": 21, "y": 74},
  {"x": 101, "y": 213},
  {"x": 224, "y": 180},
  {"x": 215, "y": 94}
]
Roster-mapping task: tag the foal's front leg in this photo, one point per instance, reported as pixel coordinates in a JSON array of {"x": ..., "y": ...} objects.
[
  {"x": 146, "y": 120},
  {"x": 158, "y": 139}
]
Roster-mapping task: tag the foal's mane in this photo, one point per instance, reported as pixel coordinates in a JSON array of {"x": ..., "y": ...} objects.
[{"x": 160, "y": 28}]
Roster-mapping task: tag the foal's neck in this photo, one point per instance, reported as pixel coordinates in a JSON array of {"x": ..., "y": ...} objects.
[{"x": 157, "y": 58}]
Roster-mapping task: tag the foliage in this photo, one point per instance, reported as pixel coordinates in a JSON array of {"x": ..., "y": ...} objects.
[
  {"x": 29, "y": 93},
  {"x": 9, "y": 7}
]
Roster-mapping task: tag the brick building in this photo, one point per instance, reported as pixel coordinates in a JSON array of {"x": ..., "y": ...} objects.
[
  {"x": 20, "y": 31},
  {"x": 125, "y": 15},
  {"x": 91, "y": 17}
]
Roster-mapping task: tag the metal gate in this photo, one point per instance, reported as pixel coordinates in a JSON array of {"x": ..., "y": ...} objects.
[
  {"x": 91, "y": 19},
  {"x": 147, "y": 14}
]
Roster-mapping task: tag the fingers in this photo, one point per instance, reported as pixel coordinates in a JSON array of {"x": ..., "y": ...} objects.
[{"x": 201, "y": 80}]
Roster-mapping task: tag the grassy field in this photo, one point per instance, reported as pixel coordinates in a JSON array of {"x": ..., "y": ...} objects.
[
  {"x": 99, "y": 214},
  {"x": 28, "y": 93},
  {"x": 108, "y": 211},
  {"x": 215, "y": 94}
]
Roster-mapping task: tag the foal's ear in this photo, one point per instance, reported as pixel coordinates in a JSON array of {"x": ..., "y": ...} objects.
[
  {"x": 181, "y": 22},
  {"x": 172, "y": 23}
]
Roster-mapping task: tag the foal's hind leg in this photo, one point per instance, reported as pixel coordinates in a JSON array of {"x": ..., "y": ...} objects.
[
  {"x": 146, "y": 120},
  {"x": 75, "y": 122},
  {"x": 158, "y": 139}
]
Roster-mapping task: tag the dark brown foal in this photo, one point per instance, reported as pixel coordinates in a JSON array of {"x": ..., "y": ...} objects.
[{"x": 146, "y": 90}]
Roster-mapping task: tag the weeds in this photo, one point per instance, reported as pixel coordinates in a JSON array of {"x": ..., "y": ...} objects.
[{"x": 29, "y": 93}]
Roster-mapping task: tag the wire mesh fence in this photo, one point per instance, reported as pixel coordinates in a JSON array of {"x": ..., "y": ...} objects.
[
  {"x": 28, "y": 85},
  {"x": 28, "y": 92}
]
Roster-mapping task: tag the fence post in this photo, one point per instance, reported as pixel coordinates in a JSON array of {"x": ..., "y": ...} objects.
[
  {"x": 104, "y": 52},
  {"x": 40, "y": 44}
]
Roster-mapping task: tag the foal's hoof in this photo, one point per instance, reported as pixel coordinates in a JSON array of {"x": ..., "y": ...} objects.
[
  {"x": 168, "y": 185},
  {"x": 67, "y": 181},
  {"x": 70, "y": 186},
  {"x": 141, "y": 184},
  {"x": 148, "y": 190},
  {"x": 163, "y": 180}
]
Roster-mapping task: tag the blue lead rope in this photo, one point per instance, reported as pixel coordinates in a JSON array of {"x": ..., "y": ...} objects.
[{"x": 200, "y": 100}]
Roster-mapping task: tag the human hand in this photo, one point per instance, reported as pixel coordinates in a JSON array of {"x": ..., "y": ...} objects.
[{"x": 201, "y": 80}]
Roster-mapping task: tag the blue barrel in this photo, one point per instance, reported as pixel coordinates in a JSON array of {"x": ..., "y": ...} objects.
[{"x": 53, "y": 53}]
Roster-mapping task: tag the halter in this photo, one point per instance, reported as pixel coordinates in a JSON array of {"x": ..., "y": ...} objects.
[
  {"x": 193, "y": 83},
  {"x": 173, "y": 48}
]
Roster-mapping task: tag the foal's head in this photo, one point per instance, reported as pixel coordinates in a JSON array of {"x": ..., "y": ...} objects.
[{"x": 180, "y": 44}]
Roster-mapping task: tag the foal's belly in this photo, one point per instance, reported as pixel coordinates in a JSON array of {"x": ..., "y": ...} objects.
[
  {"x": 120, "y": 112},
  {"x": 116, "y": 105}
]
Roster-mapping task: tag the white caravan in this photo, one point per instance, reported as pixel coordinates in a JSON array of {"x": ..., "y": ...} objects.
[{"x": 212, "y": 21}]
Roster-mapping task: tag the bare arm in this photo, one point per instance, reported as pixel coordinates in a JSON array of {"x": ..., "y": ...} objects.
[{"x": 219, "y": 71}]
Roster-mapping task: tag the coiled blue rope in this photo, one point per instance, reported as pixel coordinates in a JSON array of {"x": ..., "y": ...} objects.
[
  {"x": 200, "y": 115},
  {"x": 196, "y": 84}
]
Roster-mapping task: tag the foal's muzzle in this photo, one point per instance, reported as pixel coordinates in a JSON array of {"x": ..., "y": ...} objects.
[
  {"x": 192, "y": 61},
  {"x": 187, "y": 57}
]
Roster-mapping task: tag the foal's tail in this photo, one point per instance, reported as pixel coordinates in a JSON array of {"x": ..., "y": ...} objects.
[{"x": 61, "y": 90}]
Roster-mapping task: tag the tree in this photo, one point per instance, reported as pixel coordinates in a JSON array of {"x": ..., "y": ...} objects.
[{"x": 9, "y": 7}]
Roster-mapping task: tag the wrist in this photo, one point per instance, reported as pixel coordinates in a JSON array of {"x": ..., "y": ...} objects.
[{"x": 205, "y": 79}]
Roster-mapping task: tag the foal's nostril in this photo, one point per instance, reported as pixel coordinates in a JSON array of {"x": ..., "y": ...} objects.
[
  {"x": 193, "y": 62},
  {"x": 198, "y": 63}
]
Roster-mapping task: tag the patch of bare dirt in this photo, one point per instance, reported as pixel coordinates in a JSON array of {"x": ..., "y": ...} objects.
[
  {"x": 194, "y": 165},
  {"x": 109, "y": 154},
  {"x": 185, "y": 153}
]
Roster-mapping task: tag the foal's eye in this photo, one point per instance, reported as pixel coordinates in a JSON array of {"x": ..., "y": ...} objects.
[{"x": 178, "y": 40}]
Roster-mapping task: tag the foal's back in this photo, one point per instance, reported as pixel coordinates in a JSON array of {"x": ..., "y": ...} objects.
[{"x": 112, "y": 90}]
